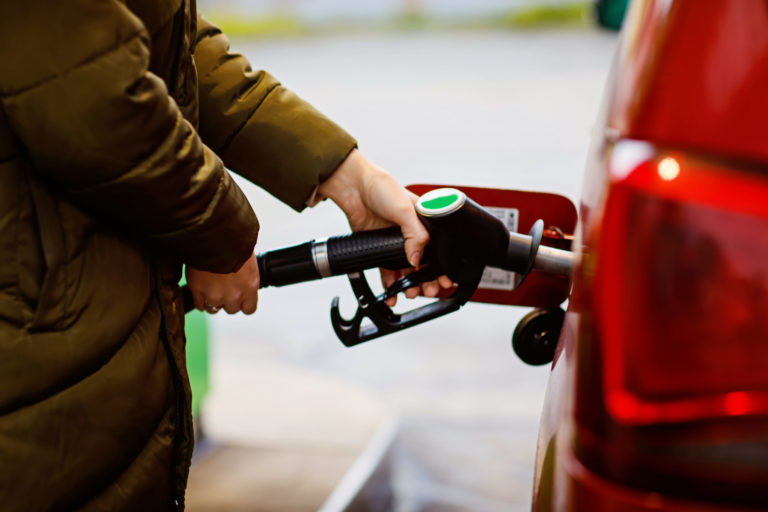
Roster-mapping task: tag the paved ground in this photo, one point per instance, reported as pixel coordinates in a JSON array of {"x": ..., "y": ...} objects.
[{"x": 290, "y": 407}]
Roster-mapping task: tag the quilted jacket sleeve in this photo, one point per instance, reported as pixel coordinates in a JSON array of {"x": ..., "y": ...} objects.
[
  {"x": 263, "y": 131},
  {"x": 101, "y": 129}
]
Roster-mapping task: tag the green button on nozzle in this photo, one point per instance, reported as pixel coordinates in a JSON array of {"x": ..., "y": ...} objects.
[{"x": 440, "y": 202}]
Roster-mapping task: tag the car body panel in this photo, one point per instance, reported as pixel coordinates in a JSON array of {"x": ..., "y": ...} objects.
[{"x": 688, "y": 77}]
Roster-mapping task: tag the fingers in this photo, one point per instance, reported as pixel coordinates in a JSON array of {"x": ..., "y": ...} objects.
[
  {"x": 233, "y": 292},
  {"x": 445, "y": 282},
  {"x": 213, "y": 301},
  {"x": 233, "y": 303},
  {"x": 413, "y": 292},
  {"x": 250, "y": 300},
  {"x": 433, "y": 288},
  {"x": 429, "y": 289},
  {"x": 249, "y": 305}
]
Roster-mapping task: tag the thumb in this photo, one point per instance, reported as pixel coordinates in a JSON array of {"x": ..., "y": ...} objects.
[{"x": 416, "y": 236}]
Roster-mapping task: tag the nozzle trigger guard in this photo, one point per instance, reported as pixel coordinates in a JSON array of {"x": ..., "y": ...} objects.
[{"x": 384, "y": 321}]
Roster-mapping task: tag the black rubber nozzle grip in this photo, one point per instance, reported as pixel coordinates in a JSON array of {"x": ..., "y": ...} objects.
[{"x": 367, "y": 249}]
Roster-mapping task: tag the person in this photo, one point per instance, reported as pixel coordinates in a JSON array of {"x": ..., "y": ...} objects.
[{"x": 117, "y": 118}]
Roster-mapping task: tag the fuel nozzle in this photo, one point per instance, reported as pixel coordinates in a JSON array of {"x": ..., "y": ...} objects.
[{"x": 464, "y": 235}]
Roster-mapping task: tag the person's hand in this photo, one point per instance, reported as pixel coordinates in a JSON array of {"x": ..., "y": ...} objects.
[
  {"x": 371, "y": 198},
  {"x": 233, "y": 292}
]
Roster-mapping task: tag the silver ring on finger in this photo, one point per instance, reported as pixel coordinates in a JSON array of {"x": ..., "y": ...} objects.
[{"x": 210, "y": 308}]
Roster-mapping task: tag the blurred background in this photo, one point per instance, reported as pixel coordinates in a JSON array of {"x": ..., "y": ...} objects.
[{"x": 443, "y": 416}]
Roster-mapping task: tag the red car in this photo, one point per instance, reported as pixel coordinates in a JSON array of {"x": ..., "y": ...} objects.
[{"x": 658, "y": 396}]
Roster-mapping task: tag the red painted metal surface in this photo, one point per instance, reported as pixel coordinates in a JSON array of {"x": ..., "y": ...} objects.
[
  {"x": 693, "y": 75},
  {"x": 690, "y": 77},
  {"x": 538, "y": 290}
]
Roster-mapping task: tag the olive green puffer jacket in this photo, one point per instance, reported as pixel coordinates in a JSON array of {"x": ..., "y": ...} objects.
[{"x": 106, "y": 188}]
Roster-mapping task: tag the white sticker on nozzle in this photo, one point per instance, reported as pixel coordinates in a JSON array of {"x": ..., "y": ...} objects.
[{"x": 495, "y": 278}]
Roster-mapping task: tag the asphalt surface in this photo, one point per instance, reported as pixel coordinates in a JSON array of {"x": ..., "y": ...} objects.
[{"x": 496, "y": 109}]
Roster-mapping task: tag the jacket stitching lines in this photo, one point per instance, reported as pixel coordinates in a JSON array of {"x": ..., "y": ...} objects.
[
  {"x": 206, "y": 32},
  {"x": 74, "y": 68},
  {"x": 231, "y": 137},
  {"x": 225, "y": 60}
]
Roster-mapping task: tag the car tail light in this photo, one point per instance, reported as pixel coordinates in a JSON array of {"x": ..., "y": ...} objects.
[
  {"x": 680, "y": 329},
  {"x": 682, "y": 293}
]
